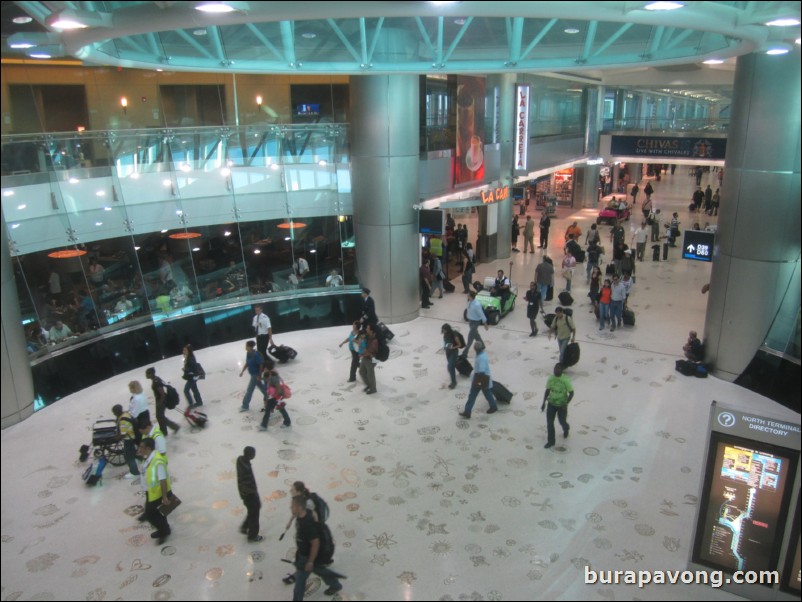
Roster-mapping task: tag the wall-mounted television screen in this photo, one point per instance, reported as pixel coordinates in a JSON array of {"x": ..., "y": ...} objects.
[
  {"x": 308, "y": 109},
  {"x": 745, "y": 504},
  {"x": 431, "y": 221}
]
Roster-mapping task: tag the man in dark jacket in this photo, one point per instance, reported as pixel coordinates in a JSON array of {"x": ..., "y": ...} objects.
[{"x": 246, "y": 483}]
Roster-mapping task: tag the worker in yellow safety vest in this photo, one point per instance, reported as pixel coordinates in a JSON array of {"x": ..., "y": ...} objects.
[{"x": 157, "y": 484}]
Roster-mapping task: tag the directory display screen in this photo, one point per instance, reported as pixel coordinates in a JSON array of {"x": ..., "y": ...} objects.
[{"x": 745, "y": 503}]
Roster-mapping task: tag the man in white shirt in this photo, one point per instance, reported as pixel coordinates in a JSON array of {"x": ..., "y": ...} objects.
[
  {"x": 640, "y": 237},
  {"x": 59, "y": 332},
  {"x": 334, "y": 279},
  {"x": 263, "y": 330}
]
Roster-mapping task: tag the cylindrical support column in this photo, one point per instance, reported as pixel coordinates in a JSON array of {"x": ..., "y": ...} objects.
[
  {"x": 384, "y": 174},
  {"x": 499, "y": 245},
  {"x": 758, "y": 241},
  {"x": 17, "y": 381},
  {"x": 586, "y": 185}
]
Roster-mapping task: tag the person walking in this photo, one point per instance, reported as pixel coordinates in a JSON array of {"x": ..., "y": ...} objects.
[
  {"x": 425, "y": 283},
  {"x": 534, "y": 305},
  {"x": 569, "y": 263},
  {"x": 158, "y": 488},
  {"x": 514, "y": 233},
  {"x": 138, "y": 404},
  {"x": 309, "y": 545},
  {"x": 559, "y": 393},
  {"x": 366, "y": 367},
  {"x": 648, "y": 191},
  {"x": 253, "y": 364},
  {"x": 482, "y": 381},
  {"x": 437, "y": 276},
  {"x": 544, "y": 277},
  {"x": 192, "y": 373},
  {"x": 246, "y": 483},
  {"x": 262, "y": 330},
  {"x": 274, "y": 399},
  {"x": 605, "y": 299},
  {"x": 467, "y": 272},
  {"x": 529, "y": 234},
  {"x": 353, "y": 340},
  {"x": 634, "y": 192},
  {"x": 562, "y": 326},
  {"x": 476, "y": 316},
  {"x": 618, "y": 295},
  {"x": 160, "y": 394},
  {"x": 593, "y": 258},
  {"x": 452, "y": 343}
]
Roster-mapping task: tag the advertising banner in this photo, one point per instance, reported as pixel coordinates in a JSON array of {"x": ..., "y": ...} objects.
[
  {"x": 470, "y": 160},
  {"x": 666, "y": 147}
]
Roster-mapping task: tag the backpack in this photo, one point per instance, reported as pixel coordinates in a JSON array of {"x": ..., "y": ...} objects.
[
  {"x": 384, "y": 350},
  {"x": 460, "y": 339},
  {"x": 286, "y": 392},
  {"x": 201, "y": 372},
  {"x": 321, "y": 507},
  {"x": 171, "y": 399},
  {"x": 326, "y": 553}
]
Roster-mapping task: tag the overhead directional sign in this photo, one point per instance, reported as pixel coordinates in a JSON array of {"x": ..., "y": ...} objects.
[{"x": 698, "y": 245}]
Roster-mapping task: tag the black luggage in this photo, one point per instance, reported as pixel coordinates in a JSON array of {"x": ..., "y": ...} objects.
[
  {"x": 282, "y": 353},
  {"x": 580, "y": 256},
  {"x": 501, "y": 393},
  {"x": 196, "y": 418},
  {"x": 692, "y": 207},
  {"x": 94, "y": 474},
  {"x": 550, "y": 293},
  {"x": 548, "y": 319},
  {"x": 565, "y": 298},
  {"x": 385, "y": 332},
  {"x": 571, "y": 355},
  {"x": 450, "y": 288},
  {"x": 655, "y": 252},
  {"x": 610, "y": 270},
  {"x": 685, "y": 367},
  {"x": 629, "y": 317},
  {"x": 464, "y": 367}
]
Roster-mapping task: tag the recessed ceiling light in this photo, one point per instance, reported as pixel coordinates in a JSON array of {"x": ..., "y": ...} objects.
[
  {"x": 21, "y": 207},
  {"x": 713, "y": 61},
  {"x": 100, "y": 193},
  {"x": 40, "y": 55},
  {"x": 98, "y": 223},
  {"x": 8, "y": 193},
  {"x": 73, "y": 180},
  {"x": 777, "y": 51},
  {"x": 222, "y": 7},
  {"x": 309, "y": 35},
  {"x": 459, "y": 21},
  {"x": 14, "y": 226},
  {"x": 22, "y": 20},
  {"x": 571, "y": 30},
  {"x": 663, "y": 6},
  {"x": 21, "y": 45},
  {"x": 783, "y": 23},
  {"x": 199, "y": 32}
]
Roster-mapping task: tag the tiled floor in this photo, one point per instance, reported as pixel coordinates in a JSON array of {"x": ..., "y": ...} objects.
[{"x": 424, "y": 505}]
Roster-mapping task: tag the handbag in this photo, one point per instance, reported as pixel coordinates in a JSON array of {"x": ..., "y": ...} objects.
[
  {"x": 568, "y": 273},
  {"x": 481, "y": 380},
  {"x": 175, "y": 502}
]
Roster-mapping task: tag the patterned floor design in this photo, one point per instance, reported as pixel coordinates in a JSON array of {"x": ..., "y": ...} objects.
[{"x": 424, "y": 505}]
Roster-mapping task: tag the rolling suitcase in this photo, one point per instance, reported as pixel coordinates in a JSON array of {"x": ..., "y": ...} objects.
[
  {"x": 571, "y": 356},
  {"x": 501, "y": 393},
  {"x": 449, "y": 288},
  {"x": 464, "y": 367},
  {"x": 196, "y": 417},
  {"x": 550, "y": 293},
  {"x": 282, "y": 353},
  {"x": 565, "y": 298},
  {"x": 629, "y": 317}
]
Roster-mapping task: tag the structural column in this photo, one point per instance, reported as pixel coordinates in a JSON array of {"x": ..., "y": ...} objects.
[
  {"x": 758, "y": 241},
  {"x": 499, "y": 238},
  {"x": 17, "y": 381},
  {"x": 385, "y": 152}
]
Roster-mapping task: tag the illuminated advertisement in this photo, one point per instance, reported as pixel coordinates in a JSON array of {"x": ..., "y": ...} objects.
[
  {"x": 745, "y": 502},
  {"x": 470, "y": 161},
  {"x": 522, "y": 99}
]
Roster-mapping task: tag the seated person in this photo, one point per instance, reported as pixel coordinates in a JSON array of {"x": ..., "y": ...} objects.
[
  {"x": 694, "y": 350},
  {"x": 59, "y": 332},
  {"x": 501, "y": 288},
  {"x": 163, "y": 302},
  {"x": 180, "y": 294},
  {"x": 123, "y": 305}
]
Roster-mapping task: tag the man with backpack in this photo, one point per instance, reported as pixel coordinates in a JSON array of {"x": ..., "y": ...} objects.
[
  {"x": 311, "y": 554},
  {"x": 366, "y": 368},
  {"x": 165, "y": 399}
]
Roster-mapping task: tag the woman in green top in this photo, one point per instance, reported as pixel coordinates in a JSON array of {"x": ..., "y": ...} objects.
[{"x": 559, "y": 393}]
